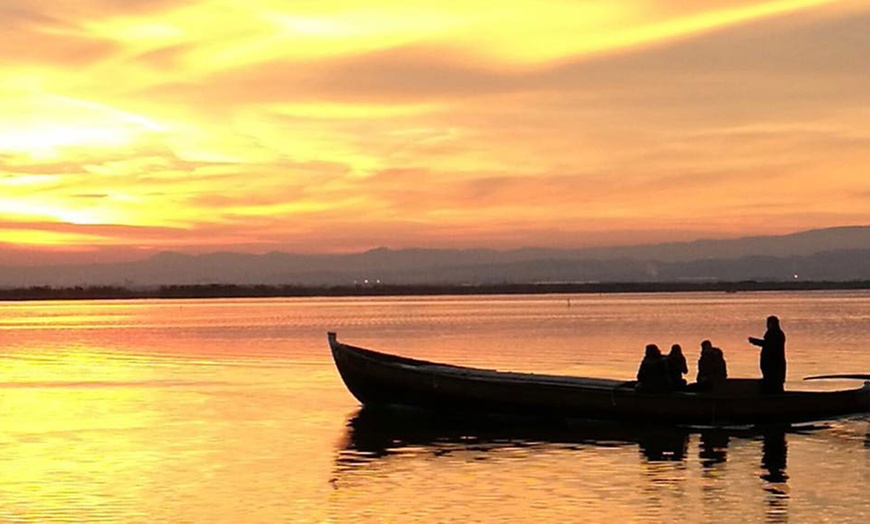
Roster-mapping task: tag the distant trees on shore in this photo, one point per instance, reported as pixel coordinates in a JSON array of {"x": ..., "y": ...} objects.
[{"x": 253, "y": 291}]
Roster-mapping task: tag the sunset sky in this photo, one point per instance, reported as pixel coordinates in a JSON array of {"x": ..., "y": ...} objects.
[{"x": 337, "y": 126}]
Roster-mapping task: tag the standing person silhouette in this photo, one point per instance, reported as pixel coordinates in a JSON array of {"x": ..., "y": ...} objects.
[{"x": 772, "y": 358}]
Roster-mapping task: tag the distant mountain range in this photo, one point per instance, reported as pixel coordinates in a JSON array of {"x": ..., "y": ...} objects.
[{"x": 835, "y": 254}]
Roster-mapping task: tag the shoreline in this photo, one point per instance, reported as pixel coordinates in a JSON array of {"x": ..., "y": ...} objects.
[{"x": 36, "y": 293}]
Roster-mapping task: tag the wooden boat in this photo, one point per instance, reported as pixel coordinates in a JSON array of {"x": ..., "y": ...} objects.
[{"x": 380, "y": 379}]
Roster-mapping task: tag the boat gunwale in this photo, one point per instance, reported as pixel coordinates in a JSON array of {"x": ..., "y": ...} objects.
[{"x": 482, "y": 374}]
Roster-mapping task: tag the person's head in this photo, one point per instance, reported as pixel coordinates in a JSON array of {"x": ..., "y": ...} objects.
[
  {"x": 706, "y": 345},
  {"x": 676, "y": 349},
  {"x": 772, "y": 322},
  {"x": 653, "y": 350}
]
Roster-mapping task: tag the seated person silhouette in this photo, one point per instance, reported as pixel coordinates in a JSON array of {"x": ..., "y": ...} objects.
[
  {"x": 677, "y": 366},
  {"x": 653, "y": 375},
  {"x": 712, "y": 370}
]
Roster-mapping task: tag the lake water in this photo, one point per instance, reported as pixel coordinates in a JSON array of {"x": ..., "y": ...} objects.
[{"x": 232, "y": 411}]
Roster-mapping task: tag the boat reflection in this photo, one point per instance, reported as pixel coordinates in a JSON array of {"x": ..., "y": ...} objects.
[
  {"x": 376, "y": 433},
  {"x": 713, "y": 448},
  {"x": 373, "y": 434}
]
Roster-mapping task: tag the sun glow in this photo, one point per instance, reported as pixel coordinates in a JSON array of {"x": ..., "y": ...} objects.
[{"x": 46, "y": 124}]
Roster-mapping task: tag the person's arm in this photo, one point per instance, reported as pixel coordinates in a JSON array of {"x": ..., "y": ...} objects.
[{"x": 756, "y": 341}]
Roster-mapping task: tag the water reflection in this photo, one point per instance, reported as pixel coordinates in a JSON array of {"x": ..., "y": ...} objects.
[
  {"x": 774, "y": 452},
  {"x": 663, "y": 444},
  {"x": 373, "y": 434},
  {"x": 713, "y": 448}
]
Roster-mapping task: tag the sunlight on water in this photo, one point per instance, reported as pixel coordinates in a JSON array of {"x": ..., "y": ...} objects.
[{"x": 232, "y": 411}]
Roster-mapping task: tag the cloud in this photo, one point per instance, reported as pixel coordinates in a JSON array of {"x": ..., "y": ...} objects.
[
  {"x": 32, "y": 46},
  {"x": 336, "y": 125},
  {"x": 75, "y": 10}
]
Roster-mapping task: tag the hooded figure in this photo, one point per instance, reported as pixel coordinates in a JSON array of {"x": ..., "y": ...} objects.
[
  {"x": 677, "y": 366},
  {"x": 712, "y": 369}
]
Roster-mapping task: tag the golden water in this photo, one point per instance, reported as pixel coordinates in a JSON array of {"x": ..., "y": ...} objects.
[{"x": 231, "y": 411}]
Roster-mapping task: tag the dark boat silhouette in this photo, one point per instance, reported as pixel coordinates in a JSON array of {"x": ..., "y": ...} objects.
[{"x": 380, "y": 379}]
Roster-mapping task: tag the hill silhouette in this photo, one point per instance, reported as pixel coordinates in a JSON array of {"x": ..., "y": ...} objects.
[{"x": 835, "y": 255}]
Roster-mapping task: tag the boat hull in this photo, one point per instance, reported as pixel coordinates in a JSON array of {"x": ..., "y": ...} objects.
[{"x": 379, "y": 379}]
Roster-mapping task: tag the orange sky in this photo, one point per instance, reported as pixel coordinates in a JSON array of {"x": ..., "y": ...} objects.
[{"x": 337, "y": 125}]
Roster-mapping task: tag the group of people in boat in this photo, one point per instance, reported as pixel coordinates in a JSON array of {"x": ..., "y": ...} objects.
[{"x": 659, "y": 373}]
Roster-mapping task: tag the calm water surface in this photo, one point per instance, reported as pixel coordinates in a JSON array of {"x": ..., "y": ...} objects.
[{"x": 231, "y": 411}]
